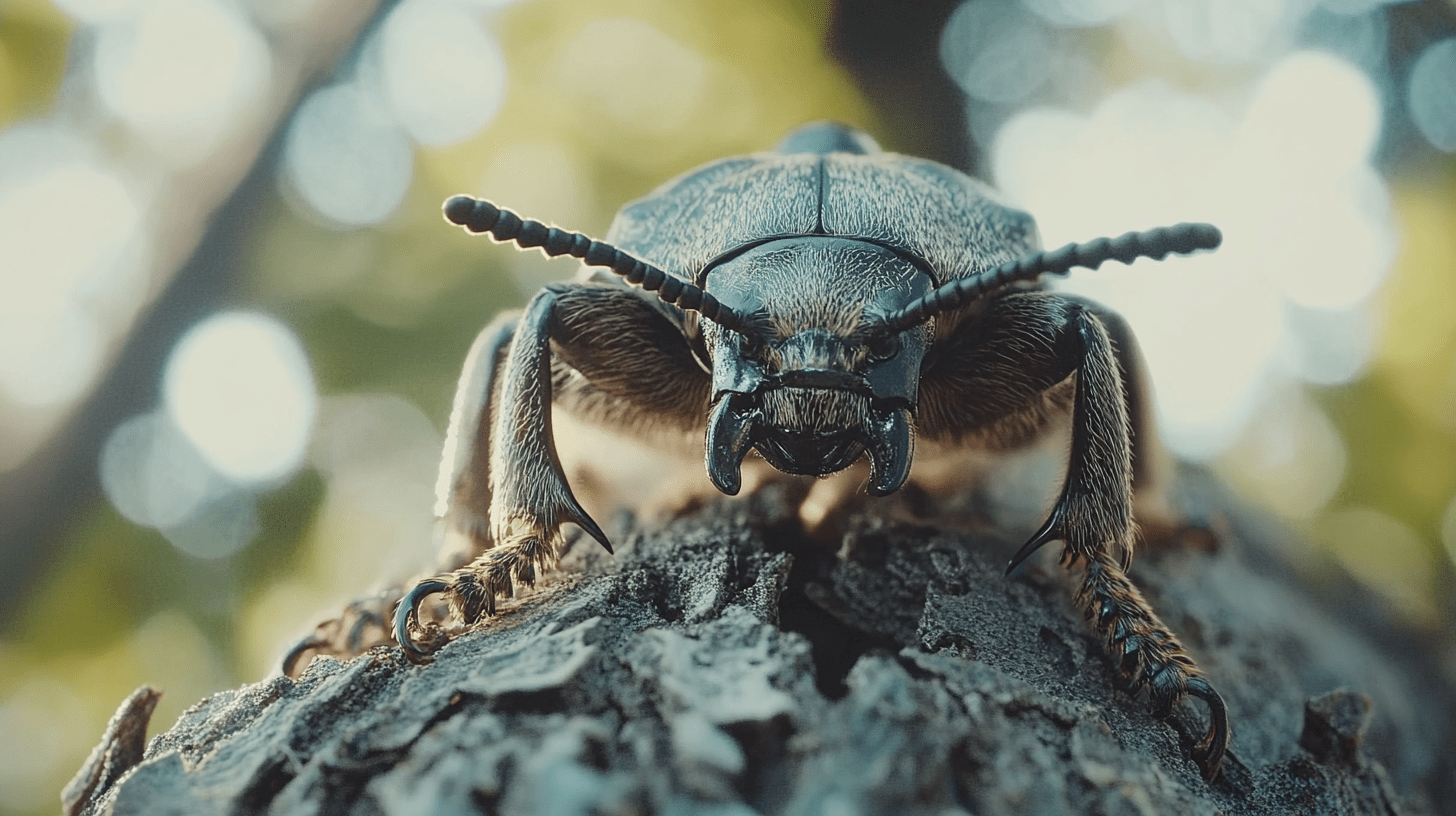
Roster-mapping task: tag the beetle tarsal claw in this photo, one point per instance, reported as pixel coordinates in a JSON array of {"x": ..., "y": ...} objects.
[
  {"x": 407, "y": 614},
  {"x": 1209, "y": 751},
  {"x": 891, "y": 447},
  {"x": 730, "y": 434}
]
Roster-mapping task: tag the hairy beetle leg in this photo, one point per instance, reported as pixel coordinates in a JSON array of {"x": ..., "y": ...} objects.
[
  {"x": 359, "y": 627},
  {"x": 1145, "y": 653},
  {"x": 470, "y": 592}
]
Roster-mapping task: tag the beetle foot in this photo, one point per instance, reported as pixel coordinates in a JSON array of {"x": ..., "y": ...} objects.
[
  {"x": 470, "y": 592},
  {"x": 359, "y": 627},
  {"x": 1146, "y": 654}
]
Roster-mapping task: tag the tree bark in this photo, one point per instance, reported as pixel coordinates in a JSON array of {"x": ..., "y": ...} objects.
[{"x": 725, "y": 663}]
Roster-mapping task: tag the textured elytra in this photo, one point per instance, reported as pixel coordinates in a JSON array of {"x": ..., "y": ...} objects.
[{"x": 957, "y": 224}]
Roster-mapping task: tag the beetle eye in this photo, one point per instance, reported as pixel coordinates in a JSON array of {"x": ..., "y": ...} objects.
[{"x": 883, "y": 347}]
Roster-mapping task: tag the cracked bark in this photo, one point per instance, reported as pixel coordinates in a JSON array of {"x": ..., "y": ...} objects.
[{"x": 723, "y": 663}]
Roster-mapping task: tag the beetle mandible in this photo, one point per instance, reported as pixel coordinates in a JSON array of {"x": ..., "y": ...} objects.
[{"x": 818, "y": 304}]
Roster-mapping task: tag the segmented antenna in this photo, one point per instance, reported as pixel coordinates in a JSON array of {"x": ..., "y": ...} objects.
[
  {"x": 1154, "y": 243},
  {"x": 480, "y": 216}
]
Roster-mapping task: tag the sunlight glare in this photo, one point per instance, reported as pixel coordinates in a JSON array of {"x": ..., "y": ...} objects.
[
  {"x": 1080, "y": 13},
  {"x": 347, "y": 157},
  {"x": 56, "y": 273},
  {"x": 1305, "y": 222},
  {"x": 238, "y": 384},
  {"x": 996, "y": 51},
  {"x": 444, "y": 74},
  {"x": 152, "y": 474},
  {"x": 180, "y": 72}
]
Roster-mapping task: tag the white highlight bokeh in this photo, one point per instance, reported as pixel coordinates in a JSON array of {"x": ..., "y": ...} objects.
[
  {"x": 1330, "y": 347},
  {"x": 99, "y": 11},
  {"x": 1304, "y": 217},
  {"x": 69, "y": 246},
  {"x": 1233, "y": 31},
  {"x": 347, "y": 157},
  {"x": 219, "y": 528},
  {"x": 153, "y": 474},
  {"x": 180, "y": 72},
  {"x": 239, "y": 387},
  {"x": 1352, "y": 7},
  {"x": 444, "y": 74}
]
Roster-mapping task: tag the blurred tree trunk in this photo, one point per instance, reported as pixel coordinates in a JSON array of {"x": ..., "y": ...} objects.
[{"x": 726, "y": 664}]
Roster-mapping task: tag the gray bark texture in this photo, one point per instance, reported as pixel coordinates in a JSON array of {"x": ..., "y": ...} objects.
[{"x": 724, "y": 663}]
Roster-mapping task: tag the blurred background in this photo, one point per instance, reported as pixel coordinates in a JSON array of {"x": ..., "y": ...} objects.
[{"x": 231, "y": 317}]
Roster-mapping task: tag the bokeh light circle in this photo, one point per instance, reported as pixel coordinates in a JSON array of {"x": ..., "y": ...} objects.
[
  {"x": 239, "y": 387},
  {"x": 444, "y": 74},
  {"x": 347, "y": 157},
  {"x": 56, "y": 276},
  {"x": 1232, "y": 31},
  {"x": 98, "y": 11},
  {"x": 180, "y": 71},
  {"x": 1316, "y": 109},
  {"x": 152, "y": 474},
  {"x": 996, "y": 51},
  {"x": 1432, "y": 94},
  {"x": 1305, "y": 219},
  {"x": 1080, "y": 13},
  {"x": 218, "y": 528}
]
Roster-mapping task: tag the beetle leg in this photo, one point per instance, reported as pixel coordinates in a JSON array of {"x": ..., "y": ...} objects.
[
  {"x": 1161, "y": 518},
  {"x": 601, "y": 353},
  {"x": 1014, "y": 394},
  {"x": 463, "y": 490},
  {"x": 1095, "y": 508},
  {"x": 528, "y": 494},
  {"x": 464, "y": 505},
  {"x": 360, "y": 626},
  {"x": 1094, "y": 520}
]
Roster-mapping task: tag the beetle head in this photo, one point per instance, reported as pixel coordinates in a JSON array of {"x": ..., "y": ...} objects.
[{"x": 811, "y": 380}]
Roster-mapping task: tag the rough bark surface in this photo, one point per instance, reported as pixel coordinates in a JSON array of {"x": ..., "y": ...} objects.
[{"x": 724, "y": 663}]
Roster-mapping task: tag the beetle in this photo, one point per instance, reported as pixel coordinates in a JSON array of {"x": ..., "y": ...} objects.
[{"x": 816, "y": 305}]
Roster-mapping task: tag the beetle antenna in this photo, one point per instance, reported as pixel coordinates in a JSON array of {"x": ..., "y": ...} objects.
[
  {"x": 481, "y": 216},
  {"x": 1154, "y": 243}
]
